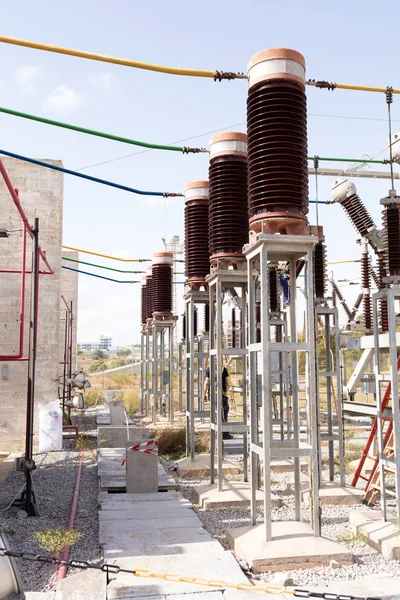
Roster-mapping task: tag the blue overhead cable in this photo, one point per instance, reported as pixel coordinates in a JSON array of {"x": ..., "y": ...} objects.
[
  {"x": 98, "y": 276},
  {"x": 82, "y": 175}
]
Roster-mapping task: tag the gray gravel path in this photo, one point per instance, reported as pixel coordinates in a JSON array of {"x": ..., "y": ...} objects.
[{"x": 54, "y": 482}]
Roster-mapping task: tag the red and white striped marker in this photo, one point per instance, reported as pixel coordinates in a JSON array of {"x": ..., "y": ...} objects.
[{"x": 148, "y": 447}]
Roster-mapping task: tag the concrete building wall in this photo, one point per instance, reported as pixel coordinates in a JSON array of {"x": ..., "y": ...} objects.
[
  {"x": 41, "y": 195},
  {"x": 69, "y": 289}
]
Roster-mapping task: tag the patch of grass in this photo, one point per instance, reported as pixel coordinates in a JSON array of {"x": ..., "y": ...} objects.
[
  {"x": 56, "y": 540},
  {"x": 171, "y": 442},
  {"x": 84, "y": 443},
  {"x": 349, "y": 537}
]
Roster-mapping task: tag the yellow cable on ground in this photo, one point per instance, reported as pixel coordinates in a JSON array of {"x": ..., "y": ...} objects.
[
  {"x": 107, "y": 255},
  {"x": 117, "y": 61}
]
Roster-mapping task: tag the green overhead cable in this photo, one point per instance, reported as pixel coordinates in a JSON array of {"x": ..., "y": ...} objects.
[
  {"x": 101, "y": 134},
  {"x": 82, "y": 262},
  {"x": 353, "y": 160}
]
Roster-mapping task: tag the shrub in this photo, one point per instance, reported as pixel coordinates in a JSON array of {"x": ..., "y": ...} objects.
[
  {"x": 170, "y": 441},
  {"x": 124, "y": 352},
  {"x": 56, "y": 540},
  {"x": 97, "y": 354},
  {"x": 97, "y": 365}
]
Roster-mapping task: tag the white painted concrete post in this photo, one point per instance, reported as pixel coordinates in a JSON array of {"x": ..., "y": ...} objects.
[
  {"x": 117, "y": 412},
  {"x": 141, "y": 469}
]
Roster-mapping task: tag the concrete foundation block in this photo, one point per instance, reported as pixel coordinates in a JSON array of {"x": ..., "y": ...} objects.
[
  {"x": 115, "y": 437},
  {"x": 233, "y": 494},
  {"x": 286, "y": 465},
  {"x": 83, "y": 586},
  {"x": 141, "y": 470},
  {"x": 200, "y": 466},
  {"x": 117, "y": 412},
  {"x": 293, "y": 546},
  {"x": 381, "y": 535},
  {"x": 331, "y": 494}
]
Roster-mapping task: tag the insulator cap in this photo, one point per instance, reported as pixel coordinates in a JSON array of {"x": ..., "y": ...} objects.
[
  {"x": 277, "y": 63},
  {"x": 228, "y": 143},
  {"x": 342, "y": 189},
  {"x": 163, "y": 258}
]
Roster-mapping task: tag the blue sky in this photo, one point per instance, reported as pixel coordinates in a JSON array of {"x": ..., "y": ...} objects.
[{"x": 346, "y": 42}]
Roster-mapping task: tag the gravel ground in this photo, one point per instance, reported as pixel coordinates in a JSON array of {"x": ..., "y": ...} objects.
[
  {"x": 54, "y": 483},
  {"x": 335, "y": 523}
]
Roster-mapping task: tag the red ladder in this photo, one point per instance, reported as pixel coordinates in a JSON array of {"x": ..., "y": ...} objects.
[{"x": 371, "y": 438}]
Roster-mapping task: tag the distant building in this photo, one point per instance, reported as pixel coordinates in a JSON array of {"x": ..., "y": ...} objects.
[{"x": 104, "y": 343}]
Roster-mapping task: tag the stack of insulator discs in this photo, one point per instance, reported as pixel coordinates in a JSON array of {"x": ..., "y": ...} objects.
[
  {"x": 143, "y": 301},
  {"x": 228, "y": 210},
  {"x": 391, "y": 228},
  {"x": 320, "y": 274},
  {"x": 277, "y": 142},
  {"x": 273, "y": 290},
  {"x": 345, "y": 193},
  {"x": 184, "y": 327},
  {"x": 206, "y": 318},
  {"x": 162, "y": 285},
  {"x": 366, "y": 285},
  {"x": 197, "y": 262},
  {"x": 149, "y": 295}
]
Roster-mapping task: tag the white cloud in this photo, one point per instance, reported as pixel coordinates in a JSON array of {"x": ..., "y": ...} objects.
[
  {"x": 28, "y": 76},
  {"x": 64, "y": 99},
  {"x": 103, "y": 81}
]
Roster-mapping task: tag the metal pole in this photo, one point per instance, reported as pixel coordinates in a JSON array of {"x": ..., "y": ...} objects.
[
  {"x": 219, "y": 367},
  {"x": 394, "y": 375},
  {"x": 30, "y": 504},
  {"x": 253, "y": 400},
  {"x": 65, "y": 362}
]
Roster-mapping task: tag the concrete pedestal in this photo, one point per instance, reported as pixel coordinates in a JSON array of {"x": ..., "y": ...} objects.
[
  {"x": 200, "y": 466},
  {"x": 115, "y": 437},
  {"x": 286, "y": 465},
  {"x": 117, "y": 413},
  {"x": 233, "y": 494},
  {"x": 293, "y": 546},
  {"x": 331, "y": 494},
  {"x": 141, "y": 470},
  {"x": 381, "y": 535}
]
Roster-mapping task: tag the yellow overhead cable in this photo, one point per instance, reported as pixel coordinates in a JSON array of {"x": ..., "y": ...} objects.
[
  {"x": 331, "y": 85},
  {"x": 340, "y": 262},
  {"x": 107, "y": 255},
  {"x": 121, "y": 61}
]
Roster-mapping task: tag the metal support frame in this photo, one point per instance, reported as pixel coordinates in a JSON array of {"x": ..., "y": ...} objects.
[
  {"x": 264, "y": 445},
  {"x": 143, "y": 371},
  {"x": 196, "y": 357},
  {"x": 181, "y": 369},
  {"x": 391, "y": 295},
  {"x": 331, "y": 372},
  {"x": 219, "y": 281},
  {"x": 162, "y": 368}
]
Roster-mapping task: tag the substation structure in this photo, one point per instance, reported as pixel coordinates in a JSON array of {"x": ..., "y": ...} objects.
[
  {"x": 220, "y": 281},
  {"x": 196, "y": 359},
  {"x": 266, "y": 443}
]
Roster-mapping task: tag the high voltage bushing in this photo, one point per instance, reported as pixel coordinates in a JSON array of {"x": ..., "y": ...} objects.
[
  {"x": 320, "y": 272},
  {"x": 228, "y": 211},
  {"x": 197, "y": 258},
  {"x": 391, "y": 232},
  {"x": 162, "y": 284},
  {"x": 143, "y": 300},
  {"x": 344, "y": 192},
  {"x": 149, "y": 295},
  {"x": 277, "y": 142}
]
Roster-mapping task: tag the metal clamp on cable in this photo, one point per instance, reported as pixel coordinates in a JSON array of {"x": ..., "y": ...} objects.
[
  {"x": 172, "y": 194},
  {"x": 220, "y": 75},
  {"x": 187, "y": 150},
  {"x": 328, "y": 85}
]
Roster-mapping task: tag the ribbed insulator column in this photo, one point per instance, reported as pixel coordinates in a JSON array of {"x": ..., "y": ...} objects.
[
  {"x": 233, "y": 325},
  {"x": 277, "y": 142},
  {"x": 366, "y": 286},
  {"x": 228, "y": 211},
  {"x": 143, "y": 297},
  {"x": 258, "y": 322},
  {"x": 207, "y": 318},
  {"x": 273, "y": 289},
  {"x": 391, "y": 231},
  {"x": 320, "y": 272},
  {"x": 184, "y": 327},
  {"x": 195, "y": 321},
  {"x": 149, "y": 294},
  {"x": 356, "y": 307},
  {"x": 345, "y": 193},
  {"x": 339, "y": 295},
  {"x": 383, "y": 302},
  {"x": 197, "y": 258},
  {"x": 162, "y": 284}
]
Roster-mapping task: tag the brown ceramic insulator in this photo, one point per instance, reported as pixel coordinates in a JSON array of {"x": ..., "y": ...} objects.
[
  {"x": 375, "y": 277},
  {"x": 383, "y": 302},
  {"x": 391, "y": 223},
  {"x": 195, "y": 321},
  {"x": 299, "y": 266},
  {"x": 341, "y": 299},
  {"x": 197, "y": 261},
  {"x": 233, "y": 324},
  {"x": 162, "y": 288},
  {"x": 228, "y": 214},
  {"x": 356, "y": 307},
  {"x": 258, "y": 322},
  {"x": 365, "y": 284},
  {"x": 143, "y": 303},
  {"x": 149, "y": 296},
  {"x": 273, "y": 290},
  {"x": 277, "y": 148},
  {"x": 184, "y": 327},
  {"x": 320, "y": 274},
  {"x": 334, "y": 299},
  {"x": 358, "y": 214},
  {"x": 207, "y": 318},
  {"x": 278, "y": 333}
]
